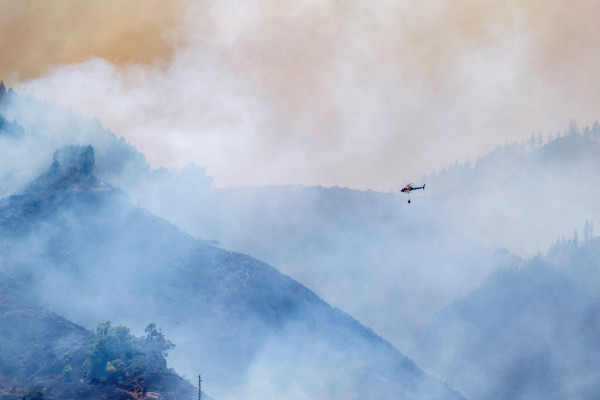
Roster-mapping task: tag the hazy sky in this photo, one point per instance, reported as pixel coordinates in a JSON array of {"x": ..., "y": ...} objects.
[{"x": 365, "y": 94}]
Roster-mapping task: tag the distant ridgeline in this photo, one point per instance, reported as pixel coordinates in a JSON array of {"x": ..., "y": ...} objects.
[{"x": 534, "y": 142}]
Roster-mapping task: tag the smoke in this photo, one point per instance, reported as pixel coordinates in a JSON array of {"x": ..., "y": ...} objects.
[
  {"x": 353, "y": 94},
  {"x": 38, "y": 36},
  {"x": 81, "y": 248},
  {"x": 391, "y": 265},
  {"x": 528, "y": 333}
]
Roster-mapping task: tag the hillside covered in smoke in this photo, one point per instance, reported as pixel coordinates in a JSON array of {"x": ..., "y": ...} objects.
[
  {"x": 469, "y": 280},
  {"x": 473, "y": 223},
  {"x": 79, "y": 246},
  {"x": 366, "y": 250},
  {"x": 531, "y": 332}
]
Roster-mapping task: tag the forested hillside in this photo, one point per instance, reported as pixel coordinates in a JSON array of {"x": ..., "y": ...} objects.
[
  {"x": 47, "y": 356},
  {"x": 531, "y": 332},
  {"x": 79, "y": 247},
  {"x": 365, "y": 250},
  {"x": 134, "y": 245}
]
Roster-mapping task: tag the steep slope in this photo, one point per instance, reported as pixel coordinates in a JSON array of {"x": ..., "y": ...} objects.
[
  {"x": 80, "y": 247},
  {"x": 362, "y": 251},
  {"x": 35, "y": 345},
  {"x": 43, "y": 352},
  {"x": 530, "y": 333},
  {"x": 365, "y": 250},
  {"x": 358, "y": 250}
]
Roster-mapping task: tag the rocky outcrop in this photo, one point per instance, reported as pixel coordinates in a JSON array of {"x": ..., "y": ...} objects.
[
  {"x": 73, "y": 160},
  {"x": 72, "y": 167}
]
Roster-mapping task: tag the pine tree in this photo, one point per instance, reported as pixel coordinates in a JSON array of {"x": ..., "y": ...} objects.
[
  {"x": 588, "y": 231},
  {"x": 573, "y": 128},
  {"x": 540, "y": 141},
  {"x": 595, "y": 130}
]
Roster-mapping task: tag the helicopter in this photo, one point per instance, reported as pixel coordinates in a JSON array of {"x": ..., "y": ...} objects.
[{"x": 409, "y": 188}]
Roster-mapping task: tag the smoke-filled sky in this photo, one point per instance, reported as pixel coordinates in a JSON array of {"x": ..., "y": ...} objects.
[{"x": 365, "y": 94}]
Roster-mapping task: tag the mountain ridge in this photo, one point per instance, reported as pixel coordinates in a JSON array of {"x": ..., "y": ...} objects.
[
  {"x": 529, "y": 333},
  {"x": 91, "y": 245},
  {"x": 390, "y": 265}
]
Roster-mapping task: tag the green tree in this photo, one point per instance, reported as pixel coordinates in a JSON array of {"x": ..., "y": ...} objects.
[
  {"x": 595, "y": 132},
  {"x": 588, "y": 231},
  {"x": 110, "y": 344},
  {"x": 118, "y": 357},
  {"x": 155, "y": 341}
]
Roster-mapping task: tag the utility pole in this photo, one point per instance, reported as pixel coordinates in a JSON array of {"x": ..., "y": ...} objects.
[{"x": 199, "y": 387}]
